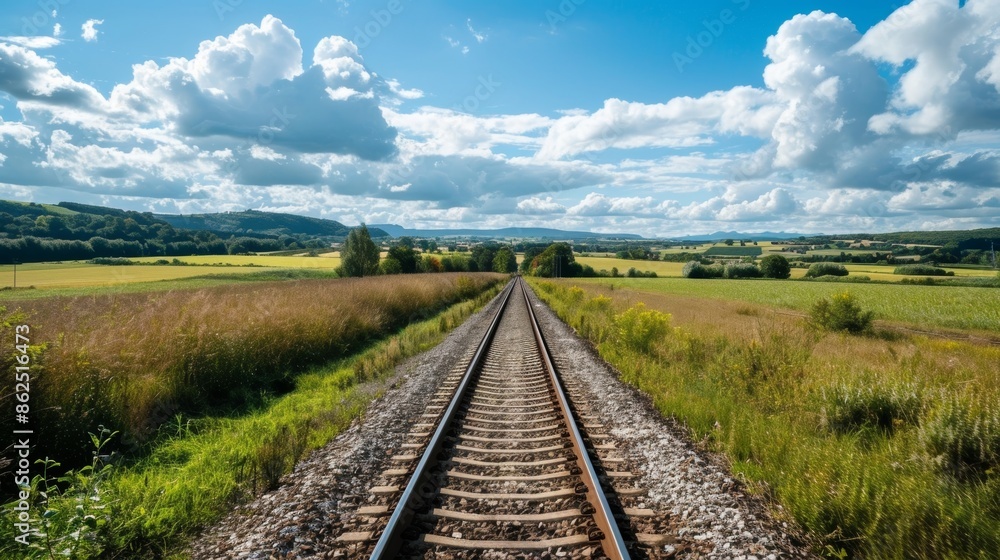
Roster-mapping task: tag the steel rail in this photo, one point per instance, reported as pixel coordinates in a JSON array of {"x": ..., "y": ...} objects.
[
  {"x": 613, "y": 543},
  {"x": 389, "y": 542}
]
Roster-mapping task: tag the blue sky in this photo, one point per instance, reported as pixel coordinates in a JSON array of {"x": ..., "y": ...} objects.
[{"x": 649, "y": 118}]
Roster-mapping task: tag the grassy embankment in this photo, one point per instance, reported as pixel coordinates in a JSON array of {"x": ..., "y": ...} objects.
[
  {"x": 879, "y": 446},
  {"x": 217, "y": 392}
]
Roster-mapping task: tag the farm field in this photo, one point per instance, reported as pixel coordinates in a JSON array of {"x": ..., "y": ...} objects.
[
  {"x": 661, "y": 268},
  {"x": 81, "y": 274},
  {"x": 937, "y": 306},
  {"x": 673, "y": 269},
  {"x": 331, "y": 261}
]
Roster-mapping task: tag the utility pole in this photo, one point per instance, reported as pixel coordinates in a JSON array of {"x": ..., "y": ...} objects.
[
  {"x": 993, "y": 255},
  {"x": 15, "y": 273}
]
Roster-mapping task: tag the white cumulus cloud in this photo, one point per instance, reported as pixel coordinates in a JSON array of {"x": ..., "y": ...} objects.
[{"x": 89, "y": 29}]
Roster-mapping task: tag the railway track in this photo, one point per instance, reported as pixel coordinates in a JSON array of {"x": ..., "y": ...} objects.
[{"x": 502, "y": 466}]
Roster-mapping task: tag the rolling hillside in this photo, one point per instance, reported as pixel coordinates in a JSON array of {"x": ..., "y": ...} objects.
[{"x": 269, "y": 223}]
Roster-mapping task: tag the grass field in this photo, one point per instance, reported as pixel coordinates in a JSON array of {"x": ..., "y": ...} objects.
[
  {"x": 673, "y": 269},
  {"x": 940, "y": 306},
  {"x": 880, "y": 447}
]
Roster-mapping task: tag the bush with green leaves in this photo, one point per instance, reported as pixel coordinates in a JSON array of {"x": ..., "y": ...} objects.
[
  {"x": 922, "y": 270},
  {"x": 854, "y": 408},
  {"x": 633, "y": 273},
  {"x": 826, "y": 269},
  {"x": 75, "y": 513},
  {"x": 963, "y": 437},
  {"x": 639, "y": 328},
  {"x": 775, "y": 266},
  {"x": 742, "y": 270},
  {"x": 695, "y": 269},
  {"x": 841, "y": 312}
]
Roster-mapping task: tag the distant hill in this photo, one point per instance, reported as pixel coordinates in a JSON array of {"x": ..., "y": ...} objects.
[
  {"x": 31, "y": 232},
  {"x": 257, "y": 222},
  {"x": 964, "y": 239},
  {"x": 540, "y": 233},
  {"x": 759, "y": 236}
]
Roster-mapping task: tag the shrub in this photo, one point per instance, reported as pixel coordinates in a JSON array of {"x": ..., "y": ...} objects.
[
  {"x": 775, "y": 266},
  {"x": 639, "y": 328},
  {"x": 854, "y": 408},
  {"x": 112, "y": 261},
  {"x": 742, "y": 270},
  {"x": 841, "y": 313},
  {"x": 963, "y": 437},
  {"x": 921, "y": 270},
  {"x": 633, "y": 273},
  {"x": 695, "y": 269},
  {"x": 390, "y": 265},
  {"x": 826, "y": 269}
]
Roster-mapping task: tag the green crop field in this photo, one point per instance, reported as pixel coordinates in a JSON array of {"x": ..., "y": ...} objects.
[
  {"x": 940, "y": 306},
  {"x": 735, "y": 251}
]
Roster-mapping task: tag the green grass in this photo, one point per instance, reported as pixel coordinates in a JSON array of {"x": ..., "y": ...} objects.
[
  {"x": 734, "y": 251},
  {"x": 879, "y": 448},
  {"x": 939, "y": 306}
]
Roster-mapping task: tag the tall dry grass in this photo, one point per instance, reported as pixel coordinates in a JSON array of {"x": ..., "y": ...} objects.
[{"x": 131, "y": 362}]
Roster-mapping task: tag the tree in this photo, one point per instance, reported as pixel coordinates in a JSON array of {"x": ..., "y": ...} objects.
[
  {"x": 556, "y": 261},
  {"x": 405, "y": 255},
  {"x": 775, "y": 266},
  {"x": 505, "y": 261},
  {"x": 529, "y": 255},
  {"x": 484, "y": 254},
  {"x": 359, "y": 256}
]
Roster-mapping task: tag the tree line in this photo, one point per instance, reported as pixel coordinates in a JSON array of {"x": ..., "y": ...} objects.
[{"x": 360, "y": 256}]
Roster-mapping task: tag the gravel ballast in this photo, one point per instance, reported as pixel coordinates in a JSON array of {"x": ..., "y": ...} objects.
[{"x": 708, "y": 511}]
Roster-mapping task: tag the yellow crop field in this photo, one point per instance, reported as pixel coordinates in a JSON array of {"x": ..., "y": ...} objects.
[
  {"x": 80, "y": 275},
  {"x": 258, "y": 260},
  {"x": 661, "y": 268}
]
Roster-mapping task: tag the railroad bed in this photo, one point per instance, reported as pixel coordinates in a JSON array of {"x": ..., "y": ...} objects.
[{"x": 504, "y": 464}]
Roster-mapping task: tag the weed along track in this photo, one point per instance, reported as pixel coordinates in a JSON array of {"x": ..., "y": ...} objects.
[{"x": 504, "y": 466}]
